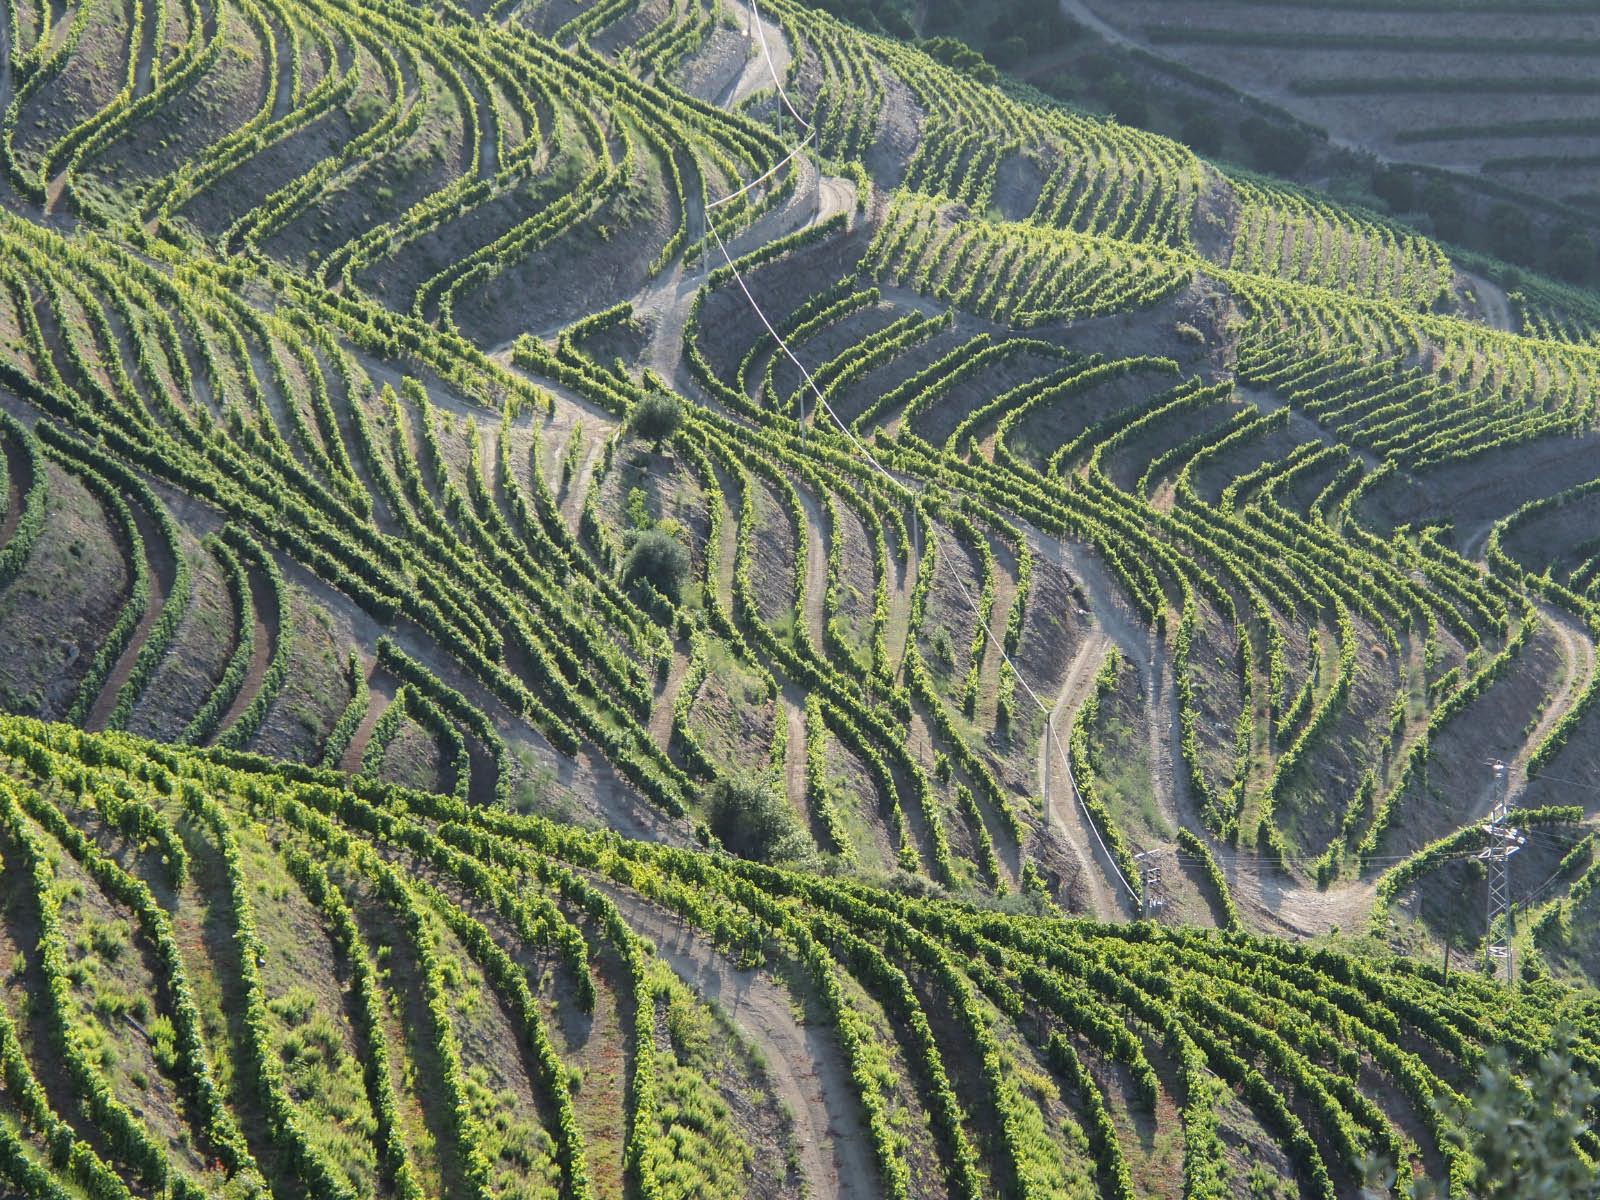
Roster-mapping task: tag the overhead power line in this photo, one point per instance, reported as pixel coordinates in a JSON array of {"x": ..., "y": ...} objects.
[{"x": 1052, "y": 740}]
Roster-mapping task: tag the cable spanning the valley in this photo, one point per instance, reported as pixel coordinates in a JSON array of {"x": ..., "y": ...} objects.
[
  {"x": 473, "y": 402},
  {"x": 1053, "y": 742}
]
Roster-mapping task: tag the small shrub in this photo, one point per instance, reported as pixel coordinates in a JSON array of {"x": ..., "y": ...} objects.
[
  {"x": 1282, "y": 149},
  {"x": 657, "y": 558},
  {"x": 751, "y": 819},
  {"x": 1202, "y": 131},
  {"x": 656, "y": 417}
]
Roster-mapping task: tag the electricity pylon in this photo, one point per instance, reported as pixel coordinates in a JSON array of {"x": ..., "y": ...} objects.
[
  {"x": 1151, "y": 894},
  {"x": 1503, "y": 839}
]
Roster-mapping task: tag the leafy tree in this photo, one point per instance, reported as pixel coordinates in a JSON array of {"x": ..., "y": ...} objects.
[
  {"x": 659, "y": 559},
  {"x": 1396, "y": 188},
  {"x": 1523, "y": 1139},
  {"x": 1008, "y": 51},
  {"x": 1282, "y": 149},
  {"x": 1572, "y": 255},
  {"x": 1520, "y": 1134},
  {"x": 656, "y": 417},
  {"x": 1510, "y": 232},
  {"x": 1443, "y": 203},
  {"x": 1040, "y": 22},
  {"x": 754, "y": 821},
  {"x": 1125, "y": 99},
  {"x": 1061, "y": 85},
  {"x": 1202, "y": 132},
  {"x": 875, "y": 16},
  {"x": 957, "y": 54},
  {"x": 1096, "y": 67}
]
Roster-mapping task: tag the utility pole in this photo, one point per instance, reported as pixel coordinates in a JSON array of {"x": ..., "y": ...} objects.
[
  {"x": 1151, "y": 899},
  {"x": 1503, "y": 840}
]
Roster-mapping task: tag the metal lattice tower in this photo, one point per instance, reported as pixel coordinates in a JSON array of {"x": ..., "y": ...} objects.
[
  {"x": 1152, "y": 895},
  {"x": 1503, "y": 840}
]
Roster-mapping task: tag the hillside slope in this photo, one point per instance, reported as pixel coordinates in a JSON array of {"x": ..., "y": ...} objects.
[
  {"x": 1053, "y": 506},
  {"x": 256, "y": 979}
]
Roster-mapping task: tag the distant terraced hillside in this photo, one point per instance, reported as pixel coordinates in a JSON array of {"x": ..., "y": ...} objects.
[
  {"x": 1507, "y": 90},
  {"x": 1051, "y": 505}
]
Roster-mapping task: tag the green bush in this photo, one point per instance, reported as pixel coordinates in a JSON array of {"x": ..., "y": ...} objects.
[
  {"x": 1572, "y": 255},
  {"x": 1523, "y": 1132},
  {"x": 753, "y": 820},
  {"x": 1396, "y": 188},
  {"x": 1280, "y": 149},
  {"x": 955, "y": 53},
  {"x": 1510, "y": 232},
  {"x": 657, "y": 558},
  {"x": 656, "y": 417},
  {"x": 1202, "y": 131},
  {"x": 1125, "y": 99}
]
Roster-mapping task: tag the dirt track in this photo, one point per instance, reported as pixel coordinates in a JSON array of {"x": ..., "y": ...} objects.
[
  {"x": 666, "y": 697},
  {"x": 792, "y": 701},
  {"x": 769, "y": 58},
  {"x": 816, "y": 565},
  {"x": 1111, "y": 626},
  {"x": 1258, "y": 885},
  {"x": 266, "y": 642},
  {"x": 664, "y": 305},
  {"x": 163, "y": 576},
  {"x": 1492, "y": 301},
  {"x": 805, "y": 1066},
  {"x": 1578, "y": 649},
  {"x": 1064, "y": 816}
]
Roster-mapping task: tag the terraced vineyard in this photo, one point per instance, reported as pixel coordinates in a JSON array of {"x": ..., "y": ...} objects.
[
  {"x": 1490, "y": 87},
  {"x": 668, "y": 598}
]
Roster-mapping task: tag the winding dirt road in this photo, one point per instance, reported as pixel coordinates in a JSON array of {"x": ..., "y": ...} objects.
[
  {"x": 769, "y": 59},
  {"x": 1579, "y": 652},
  {"x": 664, "y": 304},
  {"x": 1110, "y": 625},
  {"x": 792, "y": 700},
  {"x": 667, "y": 697},
  {"x": 1492, "y": 303},
  {"x": 816, "y": 565},
  {"x": 163, "y": 571},
  {"x": 1065, "y": 820},
  {"x": 1258, "y": 884},
  {"x": 804, "y": 1064}
]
